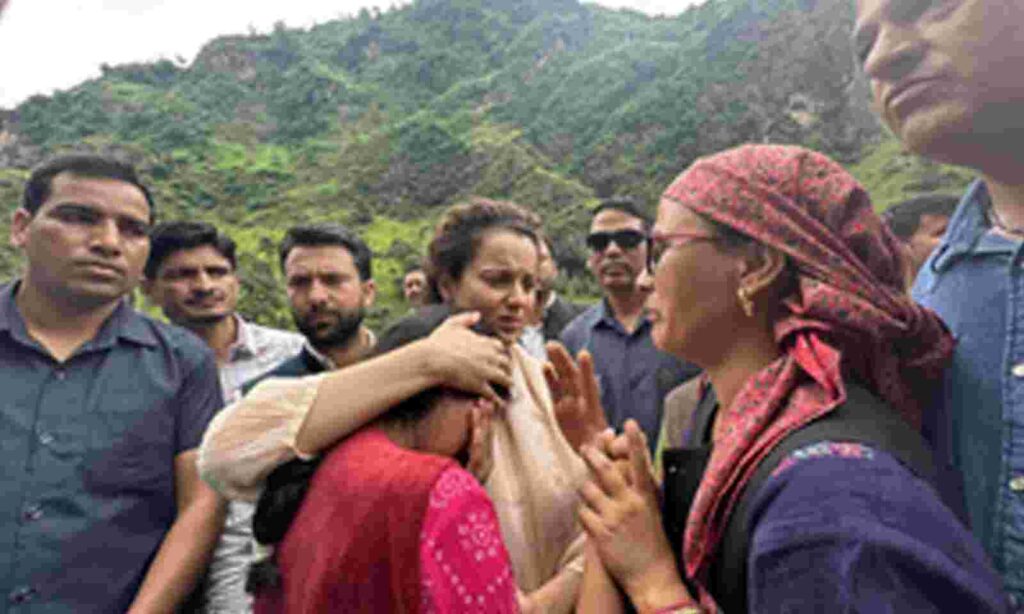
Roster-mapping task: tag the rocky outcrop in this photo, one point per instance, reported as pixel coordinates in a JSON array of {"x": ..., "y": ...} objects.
[{"x": 15, "y": 150}]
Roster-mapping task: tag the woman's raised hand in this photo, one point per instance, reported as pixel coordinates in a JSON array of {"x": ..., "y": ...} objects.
[
  {"x": 481, "y": 460},
  {"x": 620, "y": 513},
  {"x": 466, "y": 360},
  {"x": 576, "y": 395}
]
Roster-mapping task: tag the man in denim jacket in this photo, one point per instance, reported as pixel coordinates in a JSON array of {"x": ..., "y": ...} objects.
[{"x": 946, "y": 78}]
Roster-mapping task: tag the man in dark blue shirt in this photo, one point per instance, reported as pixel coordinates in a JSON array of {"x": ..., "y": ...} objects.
[
  {"x": 102, "y": 509},
  {"x": 634, "y": 376}
]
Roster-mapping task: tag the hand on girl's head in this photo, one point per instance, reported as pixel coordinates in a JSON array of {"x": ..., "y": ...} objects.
[{"x": 466, "y": 360}]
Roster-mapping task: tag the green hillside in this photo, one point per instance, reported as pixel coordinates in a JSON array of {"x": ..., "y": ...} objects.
[{"x": 381, "y": 120}]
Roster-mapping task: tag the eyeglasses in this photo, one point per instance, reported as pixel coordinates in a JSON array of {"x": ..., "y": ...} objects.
[{"x": 659, "y": 242}]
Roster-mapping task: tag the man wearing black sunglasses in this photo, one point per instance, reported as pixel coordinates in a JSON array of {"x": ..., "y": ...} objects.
[{"x": 634, "y": 376}]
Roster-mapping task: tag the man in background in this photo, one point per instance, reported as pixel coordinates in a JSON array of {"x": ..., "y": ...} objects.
[
  {"x": 102, "y": 508},
  {"x": 920, "y": 223},
  {"x": 634, "y": 376},
  {"x": 191, "y": 274},
  {"x": 946, "y": 78},
  {"x": 551, "y": 312},
  {"x": 414, "y": 287},
  {"x": 328, "y": 274}
]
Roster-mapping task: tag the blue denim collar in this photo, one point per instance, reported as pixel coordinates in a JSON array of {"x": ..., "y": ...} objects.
[{"x": 970, "y": 232}]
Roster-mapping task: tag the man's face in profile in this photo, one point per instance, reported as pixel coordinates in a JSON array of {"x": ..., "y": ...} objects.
[{"x": 945, "y": 74}]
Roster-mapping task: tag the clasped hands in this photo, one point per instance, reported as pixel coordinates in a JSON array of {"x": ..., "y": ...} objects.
[{"x": 619, "y": 507}]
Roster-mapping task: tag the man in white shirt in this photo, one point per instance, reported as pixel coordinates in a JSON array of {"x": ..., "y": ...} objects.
[{"x": 191, "y": 275}]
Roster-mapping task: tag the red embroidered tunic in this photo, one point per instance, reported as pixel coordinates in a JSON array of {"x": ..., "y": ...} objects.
[{"x": 386, "y": 529}]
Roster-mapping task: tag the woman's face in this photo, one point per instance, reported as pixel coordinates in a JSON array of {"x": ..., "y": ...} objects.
[
  {"x": 499, "y": 283},
  {"x": 447, "y": 429},
  {"x": 693, "y": 305}
]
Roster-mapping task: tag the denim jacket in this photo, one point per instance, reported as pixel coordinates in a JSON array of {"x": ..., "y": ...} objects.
[{"x": 975, "y": 281}]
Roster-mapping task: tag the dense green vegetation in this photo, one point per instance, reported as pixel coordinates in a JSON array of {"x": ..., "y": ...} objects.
[{"x": 381, "y": 120}]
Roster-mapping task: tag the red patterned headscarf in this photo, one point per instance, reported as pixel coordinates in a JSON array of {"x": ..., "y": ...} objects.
[{"x": 849, "y": 314}]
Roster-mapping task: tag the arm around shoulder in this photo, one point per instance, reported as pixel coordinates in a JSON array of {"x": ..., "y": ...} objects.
[
  {"x": 282, "y": 418},
  {"x": 253, "y": 436}
]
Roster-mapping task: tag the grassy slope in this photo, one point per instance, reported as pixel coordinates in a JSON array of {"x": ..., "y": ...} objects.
[{"x": 891, "y": 175}]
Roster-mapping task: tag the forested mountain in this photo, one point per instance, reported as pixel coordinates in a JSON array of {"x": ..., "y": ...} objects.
[{"x": 381, "y": 120}]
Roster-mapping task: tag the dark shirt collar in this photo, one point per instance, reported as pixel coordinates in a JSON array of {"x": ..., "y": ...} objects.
[
  {"x": 606, "y": 318},
  {"x": 9, "y": 316},
  {"x": 311, "y": 355},
  {"x": 124, "y": 323},
  {"x": 314, "y": 361}
]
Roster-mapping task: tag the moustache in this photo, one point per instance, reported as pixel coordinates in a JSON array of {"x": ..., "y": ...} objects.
[
  {"x": 616, "y": 264},
  {"x": 200, "y": 297}
]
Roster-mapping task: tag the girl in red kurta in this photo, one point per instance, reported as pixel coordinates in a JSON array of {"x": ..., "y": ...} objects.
[{"x": 391, "y": 522}]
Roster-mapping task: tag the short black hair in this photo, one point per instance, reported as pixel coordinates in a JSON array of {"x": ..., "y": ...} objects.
[
  {"x": 904, "y": 218},
  {"x": 315, "y": 235},
  {"x": 171, "y": 237},
  {"x": 626, "y": 205},
  {"x": 40, "y": 182}
]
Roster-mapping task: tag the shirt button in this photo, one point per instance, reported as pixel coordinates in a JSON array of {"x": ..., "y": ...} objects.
[
  {"x": 45, "y": 438},
  {"x": 60, "y": 374},
  {"x": 1017, "y": 483},
  {"x": 22, "y": 594},
  {"x": 1018, "y": 370},
  {"x": 32, "y": 512}
]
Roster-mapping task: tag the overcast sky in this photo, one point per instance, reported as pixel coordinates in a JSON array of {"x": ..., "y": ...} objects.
[{"x": 54, "y": 44}]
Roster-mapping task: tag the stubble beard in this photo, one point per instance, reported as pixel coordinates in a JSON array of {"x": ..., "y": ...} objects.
[{"x": 339, "y": 334}]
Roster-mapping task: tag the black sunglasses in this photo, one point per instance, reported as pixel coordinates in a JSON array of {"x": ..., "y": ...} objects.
[{"x": 626, "y": 239}]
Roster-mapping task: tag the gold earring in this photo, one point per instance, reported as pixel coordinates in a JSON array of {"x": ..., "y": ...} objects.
[{"x": 745, "y": 302}]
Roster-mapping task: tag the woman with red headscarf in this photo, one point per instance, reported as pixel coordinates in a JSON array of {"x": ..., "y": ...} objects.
[{"x": 770, "y": 270}]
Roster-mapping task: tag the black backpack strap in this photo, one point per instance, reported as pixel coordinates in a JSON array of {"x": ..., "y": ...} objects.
[
  {"x": 862, "y": 418},
  {"x": 684, "y": 469},
  {"x": 704, "y": 417}
]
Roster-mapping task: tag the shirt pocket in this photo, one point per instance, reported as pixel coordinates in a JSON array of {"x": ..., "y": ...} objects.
[{"x": 131, "y": 442}]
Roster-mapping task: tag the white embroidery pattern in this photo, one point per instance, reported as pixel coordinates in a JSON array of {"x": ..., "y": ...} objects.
[{"x": 479, "y": 541}]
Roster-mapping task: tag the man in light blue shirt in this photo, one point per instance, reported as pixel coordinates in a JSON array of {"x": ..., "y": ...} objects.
[{"x": 946, "y": 78}]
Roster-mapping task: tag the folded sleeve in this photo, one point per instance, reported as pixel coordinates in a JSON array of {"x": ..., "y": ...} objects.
[
  {"x": 464, "y": 566},
  {"x": 253, "y": 436},
  {"x": 842, "y": 527}
]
